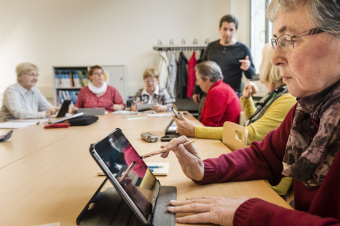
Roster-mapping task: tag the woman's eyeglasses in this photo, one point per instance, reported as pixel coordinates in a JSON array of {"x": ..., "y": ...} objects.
[
  {"x": 152, "y": 81},
  {"x": 286, "y": 42}
]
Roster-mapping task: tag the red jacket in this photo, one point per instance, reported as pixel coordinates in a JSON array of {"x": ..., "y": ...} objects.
[
  {"x": 221, "y": 104},
  {"x": 263, "y": 160}
]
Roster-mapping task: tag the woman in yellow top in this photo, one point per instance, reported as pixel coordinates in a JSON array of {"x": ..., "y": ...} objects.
[{"x": 262, "y": 117}]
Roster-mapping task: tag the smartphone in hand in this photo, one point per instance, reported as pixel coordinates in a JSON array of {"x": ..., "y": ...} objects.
[{"x": 175, "y": 112}]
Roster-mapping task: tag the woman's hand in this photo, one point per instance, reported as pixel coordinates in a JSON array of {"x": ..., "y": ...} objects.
[
  {"x": 159, "y": 108},
  {"x": 188, "y": 157},
  {"x": 249, "y": 90},
  {"x": 185, "y": 126},
  {"x": 51, "y": 111},
  {"x": 134, "y": 107},
  {"x": 118, "y": 107},
  {"x": 214, "y": 210},
  {"x": 74, "y": 110},
  {"x": 196, "y": 98}
]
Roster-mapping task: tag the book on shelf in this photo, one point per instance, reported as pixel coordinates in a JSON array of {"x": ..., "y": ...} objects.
[
  {"x": 67, "y": 95},
  {"x": 70, "y": 78}
]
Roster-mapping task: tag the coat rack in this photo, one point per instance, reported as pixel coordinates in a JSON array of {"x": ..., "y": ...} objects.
[{"x": 182, "y": 47}]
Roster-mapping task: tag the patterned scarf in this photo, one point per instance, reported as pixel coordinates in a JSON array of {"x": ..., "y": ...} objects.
[
  {"x": 263, "y": 104},
  {"x": 314, "y": 141}
]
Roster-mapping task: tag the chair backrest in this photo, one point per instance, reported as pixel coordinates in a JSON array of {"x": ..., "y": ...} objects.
[
  {"x": 242, "y": 119},
  {"x": 234, "y": 136}
]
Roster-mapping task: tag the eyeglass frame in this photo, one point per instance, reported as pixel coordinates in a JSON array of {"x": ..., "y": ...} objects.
[
  {"x": 150, "y": 81},
  {"x": 275, "y": 41},
  {"x": 32, "y": 75}
]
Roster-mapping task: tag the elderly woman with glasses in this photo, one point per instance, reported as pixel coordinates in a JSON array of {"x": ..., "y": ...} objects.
[
  {"x": 157, "y": 97},
  {"x": 305, "y": 146},
  {"x": 23, "y": 100}
]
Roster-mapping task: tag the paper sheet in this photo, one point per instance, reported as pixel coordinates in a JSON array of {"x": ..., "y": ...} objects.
[
  {"x": 16, "y": 125},
  {"x": 162, "y": 170}
]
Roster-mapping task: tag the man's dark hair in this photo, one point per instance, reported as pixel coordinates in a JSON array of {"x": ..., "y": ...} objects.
[{"x": 229, "y": 19}]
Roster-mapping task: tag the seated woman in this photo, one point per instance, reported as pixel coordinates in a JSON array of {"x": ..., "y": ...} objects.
[
  {"x": 98, "y": 94},
  {"x": 152, "y": 93},
  {"x": 23, "y": 100},
  {"x": 305, "y": 146},
  {"x": 263, "y": 117},
  {"x": 222, "y": 103}
]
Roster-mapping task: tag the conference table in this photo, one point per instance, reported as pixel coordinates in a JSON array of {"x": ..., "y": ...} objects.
[{"x": 48, "y": 176}]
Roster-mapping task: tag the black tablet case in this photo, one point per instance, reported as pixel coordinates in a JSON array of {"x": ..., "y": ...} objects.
[{"x": 108, "y": 208}]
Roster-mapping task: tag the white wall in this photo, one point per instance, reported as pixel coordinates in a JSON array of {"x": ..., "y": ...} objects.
[{"x": 106, "y": 32}]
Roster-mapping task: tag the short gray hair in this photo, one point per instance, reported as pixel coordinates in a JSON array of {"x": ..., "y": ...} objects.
[
  {"x": 324, "y": 13},
  {"x": 25, "y": 67},
  {"x": 209, "y": 69}
]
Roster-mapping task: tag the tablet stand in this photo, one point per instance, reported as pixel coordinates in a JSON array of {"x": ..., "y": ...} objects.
[{"x": 108, "y": 208}]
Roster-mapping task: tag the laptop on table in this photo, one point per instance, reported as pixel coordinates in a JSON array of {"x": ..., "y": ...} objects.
[
  {"x": 92, "y": 111},
  {"x": 135, "y": 188}
]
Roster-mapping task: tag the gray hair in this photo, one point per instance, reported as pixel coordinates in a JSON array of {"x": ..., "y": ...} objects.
[
  {"x": 25, "y": 67},
  {"x": 209, "y": 69},
  {"x": 324, "y": 13}
]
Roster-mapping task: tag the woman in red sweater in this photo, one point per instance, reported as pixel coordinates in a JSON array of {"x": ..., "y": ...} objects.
[
  {"x": 222, "y": 103},
  {"x": 305, "y": 146},
  {"x": 98, "y": 94}
]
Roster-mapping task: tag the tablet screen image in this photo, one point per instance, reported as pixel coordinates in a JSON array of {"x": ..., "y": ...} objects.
[{"x": 128, "y": 173}]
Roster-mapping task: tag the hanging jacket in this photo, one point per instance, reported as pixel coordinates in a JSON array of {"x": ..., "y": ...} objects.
[
  {"x": 182, "y": 76},
  {"x": 163, "y": 70},
  {"x": 191, "y": 75},
  {"x": 172, "y": 76}
]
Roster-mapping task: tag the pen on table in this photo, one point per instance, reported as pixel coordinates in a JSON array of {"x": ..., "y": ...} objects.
[
  {"x": 127, "y": 171},
  {"x": 162, "y": 150}
]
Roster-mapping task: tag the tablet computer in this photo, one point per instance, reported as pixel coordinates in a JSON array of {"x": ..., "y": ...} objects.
[
  {"x": 63, "y": 109},
  {"x": 129, "y": 175},
  {"x": 144, "y": 107}
]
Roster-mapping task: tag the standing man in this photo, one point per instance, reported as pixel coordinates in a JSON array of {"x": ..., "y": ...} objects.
[{"x": 232, "y": 56}]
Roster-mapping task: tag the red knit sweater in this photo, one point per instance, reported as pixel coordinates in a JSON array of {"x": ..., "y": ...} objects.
[
  {"x": 263, "y": 160},
  {"x": 222, "y": 104},
  {"x": 87, "y": 99}
]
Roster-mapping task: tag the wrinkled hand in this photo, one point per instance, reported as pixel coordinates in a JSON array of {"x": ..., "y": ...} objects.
[
  {"x": 157, "y": 108},
  {"x": 185, "y": 126},
  {"x": 74, "y": 110},
  {"x": 249, "y": 90},
  {"x": 134, "y": 107},
  {"x": 245, "y": 64},
  {"x": 215, "y": 210},
  {"x": 117, "y": 107},
  {"x": 188, "y": 157},
  {"x": 51, "y": 111},
  {"x": 196, "y": 98}
]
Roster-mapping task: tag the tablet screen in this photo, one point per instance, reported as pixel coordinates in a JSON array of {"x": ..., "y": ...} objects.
[{"x": 129, "y": 170}]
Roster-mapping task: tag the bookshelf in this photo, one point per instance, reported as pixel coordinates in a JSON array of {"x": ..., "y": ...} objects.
[
  {"x": 70, "y": 79},
  {"x": 67, "y": 83}
]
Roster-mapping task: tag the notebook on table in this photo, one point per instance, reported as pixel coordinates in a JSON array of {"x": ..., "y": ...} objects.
[{"x": 134, "y": 185}]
